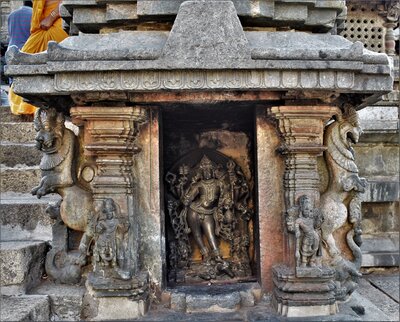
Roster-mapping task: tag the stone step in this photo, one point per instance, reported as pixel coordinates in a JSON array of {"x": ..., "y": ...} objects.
[
  {"x": 380, "y": 250},
  {"x": 13, "y": 154},
  {"x": 19, "y": 179},
  {"x": 66, "y": 300},
  {"x": 23, "y": 217},
  {"x": 17, "y": 132},
  {"x": 21, "y": 266},
  {"x": 25, "y": 308}
]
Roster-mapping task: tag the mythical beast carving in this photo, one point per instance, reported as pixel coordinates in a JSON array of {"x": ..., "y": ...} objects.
[
  {"x": 341, "y": 203},
  {"x": 59, "y": 168}
]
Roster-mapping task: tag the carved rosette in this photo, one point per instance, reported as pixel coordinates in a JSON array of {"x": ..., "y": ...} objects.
[{"x": 109, "y": 141}]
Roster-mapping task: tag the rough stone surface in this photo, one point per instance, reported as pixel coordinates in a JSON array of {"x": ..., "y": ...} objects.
[
  {"x": 149, "y": 202},
  {"x": 380, "y": 250},
  {"x": 178, "y": 302},
  {"x": 65, "y": 300},
  {"x": 381, "y": 301},
  {"x": 23, "y": 217},
  {"x": 380, "y": 217},
  {"x": 118, "y": 12},
  {"x": 191, "y": 41},
  {"x": 120, "y": 308},
  {"x": 19, "y": 179},
  {"x": 270, "y": 199},
  {"x": 387, "y": 284},
  {"x": 378, "y": 160},
  {"x": 213, "y": 303},
  {"x": 382, "y": 191},
  {"x": 18, "y": 154},
  {"x": 17, "y": 132},
  {"x": 22, "y": 265},
  {"x": 24, "y": 308},
  {"x": 126, "y": 44},
  {"x": 247, "y": 298}
]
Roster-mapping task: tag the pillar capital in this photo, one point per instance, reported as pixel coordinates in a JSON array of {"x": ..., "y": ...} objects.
[{"x": 303, "y": 126}]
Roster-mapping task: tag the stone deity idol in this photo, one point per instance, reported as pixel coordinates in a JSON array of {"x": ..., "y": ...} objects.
[
  {"x": 306, "y": 232},
  {"x": 105, "y": 251},
  {"x": 204, "y": 199}
]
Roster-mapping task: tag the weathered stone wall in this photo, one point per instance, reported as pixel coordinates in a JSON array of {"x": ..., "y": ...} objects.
[{"x": 148, "y": 191}]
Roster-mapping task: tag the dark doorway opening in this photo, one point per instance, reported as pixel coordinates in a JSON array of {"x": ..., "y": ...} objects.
[{"x": 209, "y": 193}]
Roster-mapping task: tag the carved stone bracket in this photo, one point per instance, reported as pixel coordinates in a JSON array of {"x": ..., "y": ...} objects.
[
  {"x": 302, "y": 128},
  {"x": 109, "y": 140}
]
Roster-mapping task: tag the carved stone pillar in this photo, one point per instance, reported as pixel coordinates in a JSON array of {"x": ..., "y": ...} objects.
[
  {"x": 302, "y": 128},
  {"x": 301, "y": 291},
  {"x": 391, "y": 11},
  {"x": 109, "y": 140}
]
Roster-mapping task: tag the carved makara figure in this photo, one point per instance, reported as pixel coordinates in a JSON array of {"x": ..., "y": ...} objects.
[
  {"x": 209, "y": 204},
  {"x": 59, "y": 167},
  {"x": 341, "y": 202},
  {"x": 307, "y": 234}
]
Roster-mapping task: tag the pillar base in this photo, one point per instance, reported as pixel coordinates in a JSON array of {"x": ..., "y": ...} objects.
[
  {"x": 120, "y": 308},
  {"x": 135, "y": 287},
  {"x": 307, "y": 292}
]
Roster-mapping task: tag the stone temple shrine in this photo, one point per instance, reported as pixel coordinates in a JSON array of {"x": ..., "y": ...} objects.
[{"x": 200, "y": 154}]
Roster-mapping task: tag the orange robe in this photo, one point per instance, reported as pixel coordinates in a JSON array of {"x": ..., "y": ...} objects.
[{"x": 36, "y": 43}]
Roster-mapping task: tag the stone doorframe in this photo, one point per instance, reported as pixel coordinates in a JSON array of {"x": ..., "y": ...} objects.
[{"x": 286, "y": 168}]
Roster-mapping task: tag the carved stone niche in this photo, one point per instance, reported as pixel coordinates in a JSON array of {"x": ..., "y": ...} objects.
[
  {"x": 208, "y": 206},
  {"x": 208, "y": 199}
]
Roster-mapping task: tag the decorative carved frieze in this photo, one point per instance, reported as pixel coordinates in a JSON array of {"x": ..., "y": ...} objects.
[{"x": 206, "y": 80}]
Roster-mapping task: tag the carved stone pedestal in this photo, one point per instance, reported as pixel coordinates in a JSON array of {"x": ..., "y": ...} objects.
[
  {"x": 126, "y": 300},
  {"x": 305, "y": 292},
  {"x": 112, "y": 307}
]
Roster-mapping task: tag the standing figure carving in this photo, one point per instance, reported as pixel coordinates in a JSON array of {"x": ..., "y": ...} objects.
[
  {"x": 208, "y": 204},
  {"x": 204, "y": 200},
  {"x": 341, "y": 203},
  {"x": 105, "y": 249},
  {"x": 307, "y": 234},
  {"x": 59, "y": 168}
]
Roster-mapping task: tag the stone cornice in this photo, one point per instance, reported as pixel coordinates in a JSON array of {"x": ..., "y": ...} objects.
[{"x": 219, "y": 56}]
